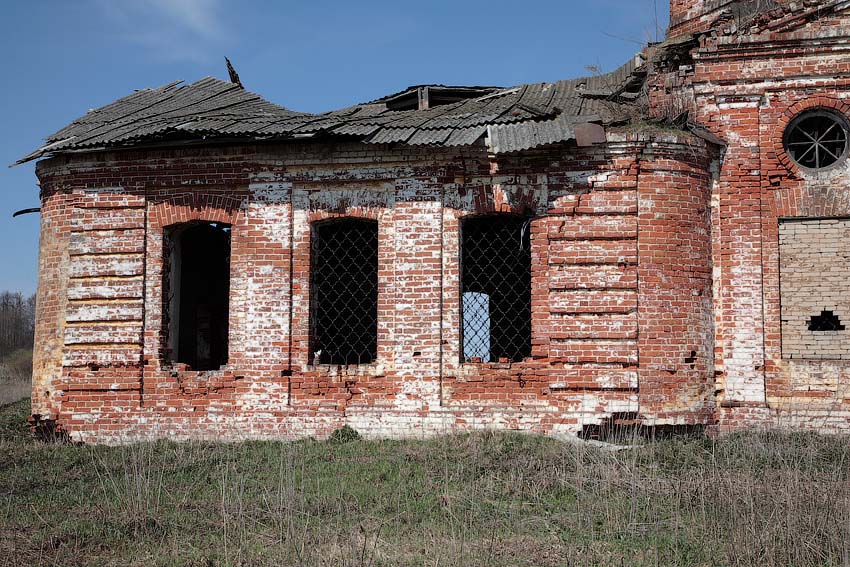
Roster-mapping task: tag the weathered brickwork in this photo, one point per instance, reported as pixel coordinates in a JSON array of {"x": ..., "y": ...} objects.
[
  {"x": 673, "y": 276},
  {"x": 595, "y": 212},
  {"x": 748, "y": 82},
  {"x": 690, "y": 16},
  {"x": 814, "y": 277}
]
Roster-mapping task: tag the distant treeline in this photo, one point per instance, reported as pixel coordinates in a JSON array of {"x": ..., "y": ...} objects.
[{"x": 17, "y": 321}]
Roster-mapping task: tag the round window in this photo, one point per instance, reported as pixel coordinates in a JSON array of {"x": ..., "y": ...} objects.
[{"x": 818, "y": 139}]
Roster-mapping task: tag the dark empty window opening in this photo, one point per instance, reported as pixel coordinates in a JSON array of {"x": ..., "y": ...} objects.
[
  {"x": 344, "y": 292},
  {"x": 197, "y": 294},
  {"x": 826, "y": 321},
  {"x": 818, "y": 139},
  {"x": 495, "y": 288}
]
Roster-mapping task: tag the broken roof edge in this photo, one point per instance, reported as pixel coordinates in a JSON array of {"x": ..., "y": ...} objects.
[
  {"x": 475, "y": 136},
  {"x": 210, "y": 109},
  {"x": 39, "y": 152},
  {"x": 453, "y": 139}
]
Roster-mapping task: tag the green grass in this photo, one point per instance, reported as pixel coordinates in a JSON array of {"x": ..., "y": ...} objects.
[
  {"x": 15, "y": 373},
  {"x": 481, "y": 499}
]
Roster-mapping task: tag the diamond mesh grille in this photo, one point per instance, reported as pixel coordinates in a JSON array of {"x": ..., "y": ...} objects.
[
  {"x": 344, "y": 292},
  {"x": 496, "y": 288}
]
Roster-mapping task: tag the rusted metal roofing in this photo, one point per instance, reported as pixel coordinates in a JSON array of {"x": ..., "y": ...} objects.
[{"x": 515, "y": 119}]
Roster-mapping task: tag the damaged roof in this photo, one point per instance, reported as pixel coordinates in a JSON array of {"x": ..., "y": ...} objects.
[{"x": 513, "y": 119}]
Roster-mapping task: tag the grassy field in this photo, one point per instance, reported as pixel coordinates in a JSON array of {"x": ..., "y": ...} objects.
[
  {"x": 15, "y": 372},
  {"x": 484, "y": 499}
]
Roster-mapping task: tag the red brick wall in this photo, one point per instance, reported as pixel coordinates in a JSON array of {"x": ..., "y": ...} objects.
[
  {"x": 690, "y": 16},
  {"x": 53, "y": 257},
  {"x": 596, "y": 211},
  {"x": 747, "y": 93},
  {"x": 676, "y": 340}
]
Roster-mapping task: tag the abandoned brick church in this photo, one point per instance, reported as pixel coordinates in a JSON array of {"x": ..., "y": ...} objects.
[{"x": 667, "y": 244}]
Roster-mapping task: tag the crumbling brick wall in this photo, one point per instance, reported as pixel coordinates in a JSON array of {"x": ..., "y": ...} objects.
[
  {"x": 814, "y": 280},
  {"x": 689, "y": 16},
  {"x": 747, "y": 95},
  {"x": 604, "y": 343},
  {"x": 743, "y": 16}
]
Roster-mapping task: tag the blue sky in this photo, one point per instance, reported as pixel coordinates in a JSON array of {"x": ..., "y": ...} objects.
[{"x": 62, "y": 57}]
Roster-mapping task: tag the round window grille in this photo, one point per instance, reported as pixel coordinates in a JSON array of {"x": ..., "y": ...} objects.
[{"x": 818, "y": 139}]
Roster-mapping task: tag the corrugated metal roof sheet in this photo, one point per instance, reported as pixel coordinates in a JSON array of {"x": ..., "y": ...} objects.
[
  {"x": 391, "y": 135},
  {"x": 429, "y": 137},
  {"x": 527, "y": 135},
  {"x": 518, "y": 118},
  {"x": 466, "y": 136},
  {"x": 356, "y": 129}
]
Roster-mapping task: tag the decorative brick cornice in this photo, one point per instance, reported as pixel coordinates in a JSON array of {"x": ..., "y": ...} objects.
[
  {"x": 724, "y": 18},
  {"x": 782, "y": 17}
]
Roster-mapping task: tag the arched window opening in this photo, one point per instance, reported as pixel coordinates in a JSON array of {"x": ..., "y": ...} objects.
[
  {"x": 197, "y": 294},
  {"x": 344, "y": 292},
  {"x": 496, "y": 288}
]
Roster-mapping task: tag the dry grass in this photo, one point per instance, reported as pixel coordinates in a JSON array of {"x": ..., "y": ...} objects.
[
  {"x": 768, "y": 499},
  {"x": 15, "y": 376}
]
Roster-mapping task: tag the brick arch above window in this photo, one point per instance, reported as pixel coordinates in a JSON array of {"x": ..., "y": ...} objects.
[
  {"x": 808, "y": 201},
  {"x": 792, "y": 112},
  {"x": 488, "y": 198},
  {"x": 366, "y": 213},
  {"x": 181, "y": 208}
]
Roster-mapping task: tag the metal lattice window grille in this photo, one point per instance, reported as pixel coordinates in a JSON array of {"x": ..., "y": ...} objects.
[
  {"x": 344, "y": 292},
  {"x": 495, "y": 288},
  {"x": 818, "y": 139}
]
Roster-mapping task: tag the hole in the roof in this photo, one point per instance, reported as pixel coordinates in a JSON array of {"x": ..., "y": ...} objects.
[{"x": 429, "y": 96}]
